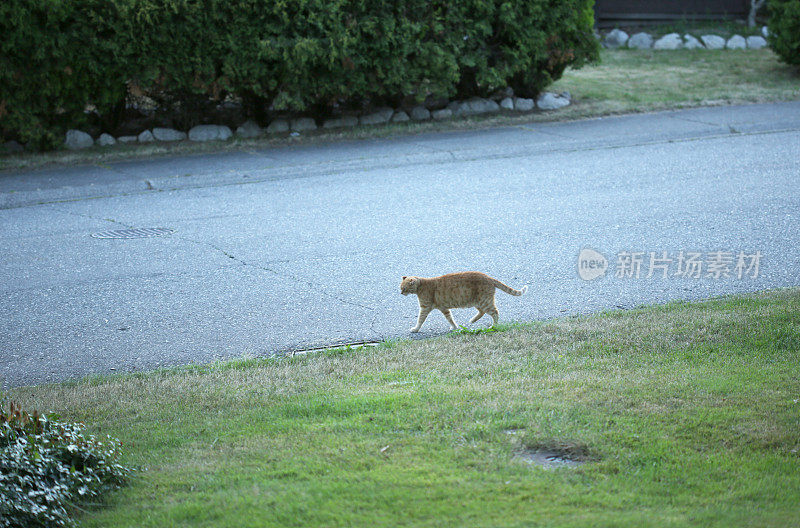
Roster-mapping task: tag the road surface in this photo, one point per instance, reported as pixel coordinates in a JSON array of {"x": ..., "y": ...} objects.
[{"x": 296, "y": 247}]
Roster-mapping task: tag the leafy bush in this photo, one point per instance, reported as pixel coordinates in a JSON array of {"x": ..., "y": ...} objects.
[
  {"x": 59, "y": 56},
  {"x": 47, "y": 466},
  {"x": 784, "y": 29}
]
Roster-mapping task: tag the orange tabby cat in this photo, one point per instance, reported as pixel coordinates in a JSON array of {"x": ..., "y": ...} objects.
[{"x": 456, "y": 290}]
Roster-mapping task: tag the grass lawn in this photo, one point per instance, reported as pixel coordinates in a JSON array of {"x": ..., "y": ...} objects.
[
  {"x": 683, "y": 414},
  {"x": 625, "y": 81}
]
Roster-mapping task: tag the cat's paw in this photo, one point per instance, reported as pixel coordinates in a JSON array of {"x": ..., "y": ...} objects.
[{"x": 414, "y": 330}]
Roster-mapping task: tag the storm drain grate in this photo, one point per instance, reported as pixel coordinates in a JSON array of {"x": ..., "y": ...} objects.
[{"x": 142, "y": 232}]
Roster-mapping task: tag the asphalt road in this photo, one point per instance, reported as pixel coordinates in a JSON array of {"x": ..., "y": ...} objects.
[{"x": 296, "y": 247}]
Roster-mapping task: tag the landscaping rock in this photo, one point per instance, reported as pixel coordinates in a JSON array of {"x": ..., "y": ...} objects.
[
  {"x": 400, "y": 117},
  {"x": 380, "y": 116},
  {"x": 145, "y": 137},
  {"x": 209, "y": 133},
  {"x": 764, "y": 31},
  {"x": 672, "y": 41},
  {"x": 713, "y": 41},
  {"x": 444, "y": 113},
  {"x": 477, "y": 105},
  {"x": 278, "y": 126},
  {"x": 127, "y": 139},
  {"x": 302, "y": 124},
  {"x": 76, "y": 140},
  {"x": 249, "y": 129},
  {"x": 168, "y": 134},
  {"x": 566, "y": 95},
  {"x": 736, "y": 42},
  {"x": 691, "y": 42},
  {"x": 551, "y": 101},
  {"x": 641, "y": 41},
  {"x": 12, "y": 147},
  {"x": 420, "y": 113},
  {"x": 756, "y": 42},
  {"x": 454, "y": 106},
  {"x": 106, "y": 140},
  {"x": 522, "y": 104},
  {"x": 340, "y": 122},
  {"x": 507, "y": 104},
  {"x": 615, "y": 39}
]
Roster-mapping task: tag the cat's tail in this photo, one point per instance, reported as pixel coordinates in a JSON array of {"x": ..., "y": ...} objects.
[{"x": 508, "y": 289}]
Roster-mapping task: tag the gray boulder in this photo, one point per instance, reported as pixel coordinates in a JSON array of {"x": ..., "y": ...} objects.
[
  {"x": 713, "y": 41},
  {"x": 454, "y": 106},
  {"x": 764, "y": 31},
  {"x": 551, "y": 101},
  {"x": 671, "y": 41},
  {"x": 340, "y": 122},
  {"x": 380, "y": 116},
  {"x": 106, "y": 140},
  {"x": 691, "y": 42},
  {"x": 168, "y": 134},
  {"x": 420, "y": 113},
  {"x": 444, "y": 113},
  {"x": 210, "y": 133},
  {"x": 302, "y": 124},
  {"x": 641, "y": 41},
  {"x": 248, "y": 129},
  {"x": 477, "y": 105},
  {"x": 127, "y": 139},
  {"x": 507, "y": 104},
  {"x": 615, "y": 39},
  {"x": 756, "y": 42},
  {"x": 400, "y": 117},
  {"x": 277, "y": 126},
  {"x": 736, "y": 42},
  {"x": 76, "y": 140},
  {"x": 146, "y": 137},
  {"x": 521, "y": 104}
]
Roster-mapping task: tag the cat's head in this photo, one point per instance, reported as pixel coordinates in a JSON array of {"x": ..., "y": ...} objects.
[{"x": 409, "y": 285}]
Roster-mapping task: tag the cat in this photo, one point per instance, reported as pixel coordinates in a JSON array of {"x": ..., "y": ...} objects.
[{"x": 456, "y": 290}]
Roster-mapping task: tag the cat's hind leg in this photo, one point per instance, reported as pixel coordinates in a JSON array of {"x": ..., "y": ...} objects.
[
  {"x": 423, "y": 313},
  {"x": 449, "y": 317},
  {"x": 477, "y": 316},
  {"x": 494, "y": 313}
]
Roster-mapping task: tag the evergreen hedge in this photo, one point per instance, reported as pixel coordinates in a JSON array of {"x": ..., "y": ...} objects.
[
  {"x": 58, "y": 56},
  {"x": 784, "y": 29}
]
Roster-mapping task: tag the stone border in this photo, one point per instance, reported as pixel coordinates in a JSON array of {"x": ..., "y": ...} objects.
[
  {"x": 617, "y": 38},
  {"x": 504, "y": 101}
]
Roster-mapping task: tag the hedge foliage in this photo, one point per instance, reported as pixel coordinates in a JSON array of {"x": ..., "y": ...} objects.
[
  {"x": 47, "y": 467},
  {"x": 784, "y": 29},
  {"x": 58, "y": 56}
]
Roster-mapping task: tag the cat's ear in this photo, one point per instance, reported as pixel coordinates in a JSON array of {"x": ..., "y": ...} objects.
[{"x": 404, "y": 277}]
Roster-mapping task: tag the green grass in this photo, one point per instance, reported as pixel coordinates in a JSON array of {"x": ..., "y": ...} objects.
[
  {"x": 685, "y": 415},
  {"x": 625, "y": 81}
]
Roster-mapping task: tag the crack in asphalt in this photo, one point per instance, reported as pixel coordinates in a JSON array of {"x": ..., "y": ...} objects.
[
  {"x": 293, "y": 278},
  {"x": 229, "y": 255}
]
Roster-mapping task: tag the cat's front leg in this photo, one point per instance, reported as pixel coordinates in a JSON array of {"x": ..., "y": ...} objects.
[
  {"x": 423, "y": 313},
  {"x": 449, "y": 317}
]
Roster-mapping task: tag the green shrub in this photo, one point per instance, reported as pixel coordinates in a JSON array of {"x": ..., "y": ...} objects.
[
  {"x": 58, "y": 56},
  {"x": 46, "y": 467},
  {"x": 784, "y": 29}
]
